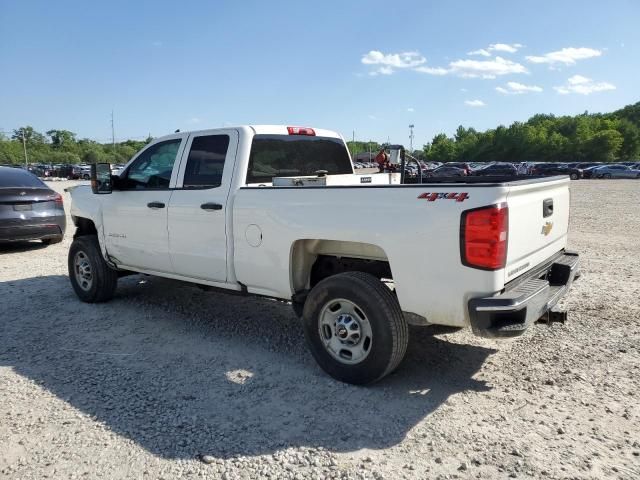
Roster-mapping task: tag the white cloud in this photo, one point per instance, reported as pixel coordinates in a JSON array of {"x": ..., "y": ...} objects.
[
  {"x": 372, "y": 117},
  {"x": 497, "y": 47},
  {"x": 432, "y": 70},
  {"x": 583, "y": 86},
  {"x": 505, "y": 47},
  {"x": 392, "y": 60},
  {"x": 515, "y": 88},
  {"x": 577, "y": 80},
  {"x": 411, "y": 110},
  {"x": 485, "y": 68},
  {"x": 382, "y": 71},
  {"x": 194, "y": 120},
  {"x": 475, "y": 103},
  {"x": 477, "y": 68},
  {"x": 481, "y": 51},
  {"x": 566, "y": 56}
]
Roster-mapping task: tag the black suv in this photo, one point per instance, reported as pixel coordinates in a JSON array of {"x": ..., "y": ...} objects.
[{"x": 550, "y": 169}]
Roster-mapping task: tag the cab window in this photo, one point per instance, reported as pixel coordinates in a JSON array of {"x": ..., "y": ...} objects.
[
  {"x": 152, "y": 169},
  {"x": 205, "y": 163}
]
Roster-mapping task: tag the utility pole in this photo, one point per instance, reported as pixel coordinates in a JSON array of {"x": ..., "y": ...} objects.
[
  {"x": 113, "y": 136},
  {"x": 24, "y": 146},
  {"x": 411, "y": 139}
]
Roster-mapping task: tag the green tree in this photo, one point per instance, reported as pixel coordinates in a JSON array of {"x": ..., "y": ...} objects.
[
  {"x": 30, "y": 135},
  {"x": 61, "y": 138},
  {"x": 605, "y": 145}
]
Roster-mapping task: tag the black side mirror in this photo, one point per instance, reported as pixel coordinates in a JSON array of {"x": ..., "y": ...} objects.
[{"x": 101, "y": 178}]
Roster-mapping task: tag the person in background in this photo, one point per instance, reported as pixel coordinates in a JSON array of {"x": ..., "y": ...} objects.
[{"x": 382, "y": 159}]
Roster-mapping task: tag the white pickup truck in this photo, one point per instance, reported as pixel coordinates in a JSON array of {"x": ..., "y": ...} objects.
[{"x": 277, "y": 211}]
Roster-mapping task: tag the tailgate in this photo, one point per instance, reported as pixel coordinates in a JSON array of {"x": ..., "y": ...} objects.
[{"x": 538, "y": 223}]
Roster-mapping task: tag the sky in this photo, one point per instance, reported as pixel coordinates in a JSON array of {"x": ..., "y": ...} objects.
[{"x": 366, "y": 67}]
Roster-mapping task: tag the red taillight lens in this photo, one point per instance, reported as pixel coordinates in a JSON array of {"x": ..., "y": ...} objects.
[
  {"x": 301, "y": 131},
  {"x": 483, "y": 237},
  {"x": 57, "y": 198}
]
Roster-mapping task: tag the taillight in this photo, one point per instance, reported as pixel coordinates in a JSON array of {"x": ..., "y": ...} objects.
[
  {"x": 483, "y": 237},
  {"x": 57, "y": 198},
  {"x": 301, "y": 131}
]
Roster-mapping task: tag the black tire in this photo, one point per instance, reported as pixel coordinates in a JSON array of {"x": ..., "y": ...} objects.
[
  {"x": 389, "y": 330},
  {"x": 606, "y": 175},
  {"x": 573, "y": 176},
  {"x": 86, "y": 177},
  {"x": 104, "y": 279},
  {"x": 51, "y": 241}
]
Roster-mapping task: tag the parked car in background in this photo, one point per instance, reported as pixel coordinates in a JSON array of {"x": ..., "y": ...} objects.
[
  {"x": 447, "y": 171},
  {"x": 82, "y": 172},
  {"x": 616, "y": 171},
  {"x": 117, "y": 168},
  {"x": 589, "y": 171},
  {"x": 463, "y": 165},
  {"x": 29, "y": 209},
  {"x": 550, "y": 169},
  {"x": 497, "y": 169}
]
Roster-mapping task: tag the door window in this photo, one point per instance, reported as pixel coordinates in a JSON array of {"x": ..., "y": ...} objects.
[
  {"x": 205, "y": 163},
  {"x": 152, "y": 169}
]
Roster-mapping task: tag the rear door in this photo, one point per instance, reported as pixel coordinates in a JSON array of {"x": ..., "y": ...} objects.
[
  {"x": 538, "y": 224},
  {"x": 199, "y": 206}
]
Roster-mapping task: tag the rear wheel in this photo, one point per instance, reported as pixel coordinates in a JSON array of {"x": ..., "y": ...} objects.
[
  {"x": 573, "y": 176},
  {"x": 355, "y": 328},
  {"x": 91, "y": 278},
  {"x": 606, "y": 175}
]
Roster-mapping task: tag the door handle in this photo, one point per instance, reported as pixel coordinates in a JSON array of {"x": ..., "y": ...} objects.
[
  {"x": 155, "y": 205},
  {"x": 211, "y": 206}
]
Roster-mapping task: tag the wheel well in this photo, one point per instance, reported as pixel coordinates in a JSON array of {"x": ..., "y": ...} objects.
[
  {"x": 84, "y": 226},
  {"x": 315, "y": 260},
  {"x": 326, "y": 266}
]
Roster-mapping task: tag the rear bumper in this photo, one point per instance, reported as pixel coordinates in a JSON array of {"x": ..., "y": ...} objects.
[
  {"x": 33, "y": 229},
  {"x": 510, "y": 313}
]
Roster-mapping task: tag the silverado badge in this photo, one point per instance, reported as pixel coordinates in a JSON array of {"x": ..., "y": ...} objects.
[{"x": 546, "y": 228}]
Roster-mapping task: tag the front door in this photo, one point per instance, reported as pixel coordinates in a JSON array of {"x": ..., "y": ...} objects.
[
  {"x": 135, "y": 215},
  {"x": 198, "y": 206}
]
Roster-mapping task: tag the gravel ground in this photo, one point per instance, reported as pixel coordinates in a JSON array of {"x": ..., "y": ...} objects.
[{"x": 167, "y": 380}]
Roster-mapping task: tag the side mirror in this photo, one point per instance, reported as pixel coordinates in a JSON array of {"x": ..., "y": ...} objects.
[{"x": 101, "y": 178}]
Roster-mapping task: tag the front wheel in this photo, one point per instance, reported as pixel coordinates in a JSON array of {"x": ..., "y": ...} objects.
[
  {"x": 573, "y": 176},
  {"x": 355, "y": 328},
  {"x": 606, "y": 175},
  {"x": 91, "y": 278}
]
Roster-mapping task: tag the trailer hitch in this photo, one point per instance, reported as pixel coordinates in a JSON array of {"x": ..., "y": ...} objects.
[{"x": 553, "y": 315}]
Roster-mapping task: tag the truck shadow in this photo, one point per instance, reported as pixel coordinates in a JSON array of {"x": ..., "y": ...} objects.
[{"x": 184, "y": 372}]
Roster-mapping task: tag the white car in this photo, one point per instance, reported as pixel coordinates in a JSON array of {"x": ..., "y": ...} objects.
[{"x": 277, "y": 211}]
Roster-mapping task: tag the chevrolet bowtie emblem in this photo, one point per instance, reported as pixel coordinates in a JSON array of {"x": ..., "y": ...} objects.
[{"x": 546, "y": 228}]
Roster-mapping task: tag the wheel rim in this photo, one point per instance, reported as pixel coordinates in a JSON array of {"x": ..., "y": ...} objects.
[
  {"x": 82, "y": 270},
  {"x": 345, "y": 331}
]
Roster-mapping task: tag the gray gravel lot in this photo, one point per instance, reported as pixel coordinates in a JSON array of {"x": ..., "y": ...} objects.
[{"x": 167, "y": 380}]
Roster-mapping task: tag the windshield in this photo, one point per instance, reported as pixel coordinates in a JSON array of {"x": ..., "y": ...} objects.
[
  {"x": 17, "y": 178},
  {"x": 295, "y": 155}
]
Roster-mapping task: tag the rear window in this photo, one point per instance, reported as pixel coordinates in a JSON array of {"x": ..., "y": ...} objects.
[
  {"x": 16, "y": 177},
  {"x": 295, "y": 155}
]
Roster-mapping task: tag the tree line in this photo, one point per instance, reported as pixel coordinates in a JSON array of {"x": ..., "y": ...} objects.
[
  {"x": 62, "y": 146},
  {"x": 587, "y": 137}
]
